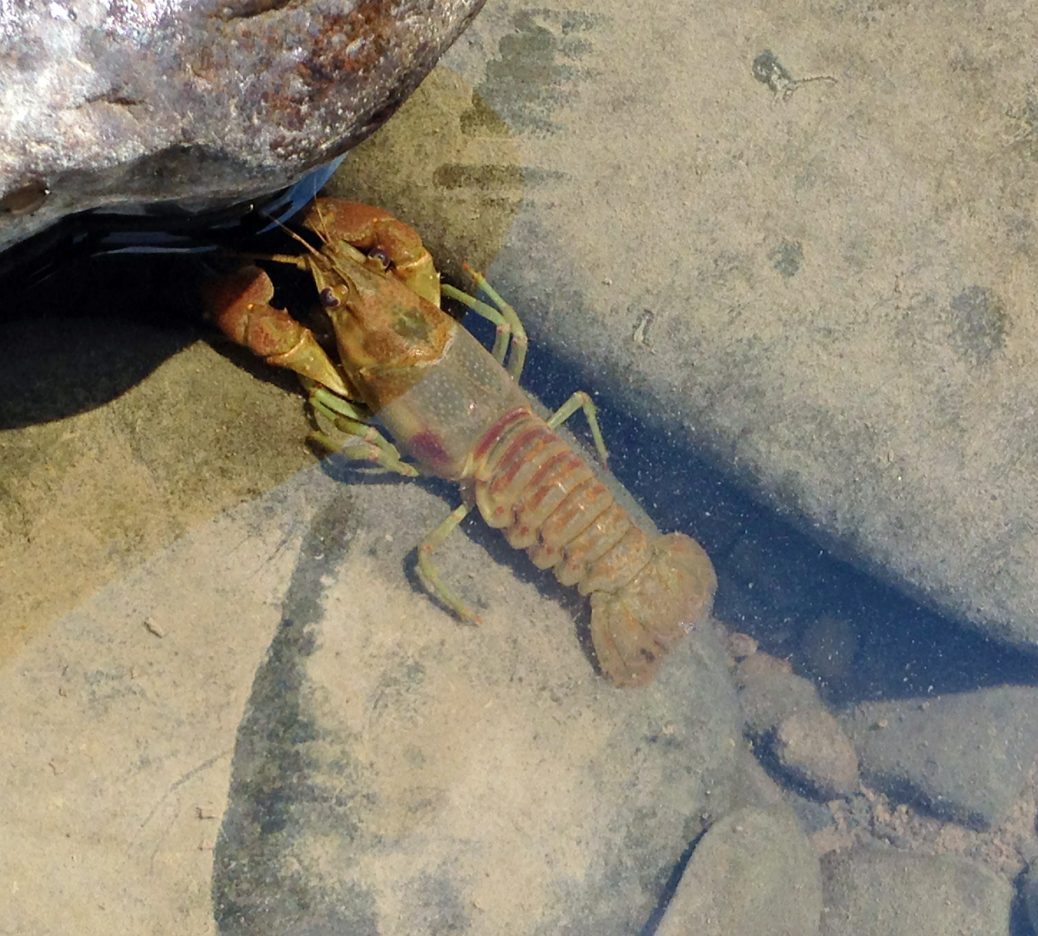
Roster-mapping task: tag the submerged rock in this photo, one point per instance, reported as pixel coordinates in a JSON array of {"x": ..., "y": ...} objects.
[
  {"x": 1029, "y": 889},
  {"x": 449, "y": 773},
  {"x": 399, "y": 772},
  {"x": 810, "y": 281},
  {"x": 964, "y": 757},
  {"x": 873, "y": 891},
  {"x": 812, "y": 748},
  {"x": 790, "y": 726},
  {"x": 753, "y": 872},
  {"x": 770, "y": 692}
]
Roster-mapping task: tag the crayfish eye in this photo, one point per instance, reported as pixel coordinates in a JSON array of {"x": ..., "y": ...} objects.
[
  {"x": 381, "y": 257},
  {"x": 328, "y": 298}
]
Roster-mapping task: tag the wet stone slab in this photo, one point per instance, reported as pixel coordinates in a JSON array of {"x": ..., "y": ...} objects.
[
  {"x": 965, "y": 757},
  {"x": 808, "y": 279},
  {"x": 882, "y": 892},
  {"x": 400, "y": 773},
  {"x": 394, "y": 771},
  {"x": 793, "y": 263},
  {"x": 753, "y": 872},
  {"x": 119, "y": 726},
  {"x": 372, "y": 715}
]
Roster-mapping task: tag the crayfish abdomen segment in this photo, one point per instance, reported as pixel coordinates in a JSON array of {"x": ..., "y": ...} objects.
[
  {"x": 645, "y": 592},
  {"x": 546, "y": 500}
]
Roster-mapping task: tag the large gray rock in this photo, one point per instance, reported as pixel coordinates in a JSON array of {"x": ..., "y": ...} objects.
[
  {"x": 754, "y": 872},
  {"x": 882, "y": 892},
  {"x": 129, "y": 658},
  {"x": 825, "y": 285},
  {"x": 964, "y": 757},
  {"x": 201, "y": 101},
  {"x": 120, "y": 716},
  {"x": 384, "y": 742},
  {"x": 399, "y": 772}
]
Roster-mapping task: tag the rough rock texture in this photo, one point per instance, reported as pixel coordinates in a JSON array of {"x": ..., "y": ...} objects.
[
  {"x": 827, "y": 284},
  {"x": 124, "y": 684},
  {"x": 380, "y": 734},
  {"x": 401, "y": 773},
  {"x": 770, "y": 692},
  {"x": 119, "y": 724},
  {"x": 787, "y": 720},
  {"x": 753, "y": 872},
  {"x": 745, "y": 229},
  {"x": 200, "y": 101},
  {"x": 882, "y": 892},
  {"x": 812, "y": 748},
  {"x": 117, "y": 437},
  {"x": 964, "y": 757},
  {"x": 759, "y": 789}
]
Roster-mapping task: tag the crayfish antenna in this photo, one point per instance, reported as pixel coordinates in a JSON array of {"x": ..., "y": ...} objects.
[
  {"x": 323, "y": 233},
  {"x": 299, "y": 262},
  {"x": 310, "y": 248}
]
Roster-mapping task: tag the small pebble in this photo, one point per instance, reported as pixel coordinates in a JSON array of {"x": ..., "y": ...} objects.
[
  {"x": 812, "y": 747},
  {"x": 741, "y": 646},
  {"x": 769, "y": 691}
]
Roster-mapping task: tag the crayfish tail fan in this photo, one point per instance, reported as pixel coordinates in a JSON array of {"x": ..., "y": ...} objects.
[{"x": 633, "y": 628}]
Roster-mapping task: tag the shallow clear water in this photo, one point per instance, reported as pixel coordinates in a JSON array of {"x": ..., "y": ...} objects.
[{"x": 124, "y": 439}]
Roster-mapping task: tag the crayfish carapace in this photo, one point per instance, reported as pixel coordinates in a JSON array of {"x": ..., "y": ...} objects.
[{"x": 457, "y": 410}]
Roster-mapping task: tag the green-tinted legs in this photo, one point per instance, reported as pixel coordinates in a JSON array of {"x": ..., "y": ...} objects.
[
  {"x": 364, "y": 442},
  {"x": 368, "y": 444},
  {"x": 501, "y": 314},
  {"x": 580, "y": 400},
  {"x": 430, "y": 574},
  {"x": 509, "y": 325}
]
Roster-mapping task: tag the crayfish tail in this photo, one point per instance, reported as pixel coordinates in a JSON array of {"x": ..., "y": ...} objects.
[{"x": 633, "y": 628}]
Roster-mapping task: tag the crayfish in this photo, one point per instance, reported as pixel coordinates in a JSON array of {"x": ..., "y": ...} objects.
[{"x": 456, "y": 409}]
